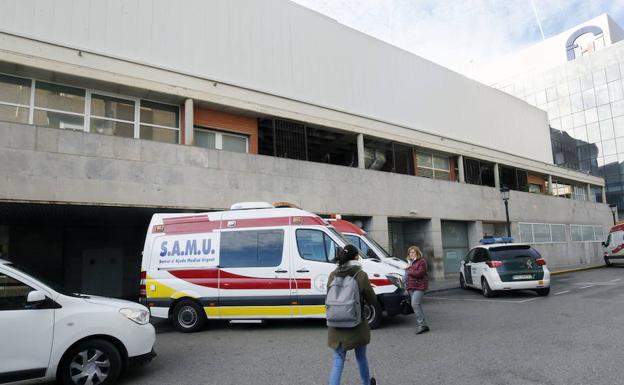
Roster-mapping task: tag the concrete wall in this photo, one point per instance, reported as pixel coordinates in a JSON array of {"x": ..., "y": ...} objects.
[
  {"x": 281, "y": 48},
  {"x": 50, "y": 165}
]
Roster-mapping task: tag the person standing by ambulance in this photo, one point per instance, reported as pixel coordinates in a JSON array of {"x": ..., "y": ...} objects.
[
  {"x": 417, "y": 284},
  {"x": 340, "y": 340}
]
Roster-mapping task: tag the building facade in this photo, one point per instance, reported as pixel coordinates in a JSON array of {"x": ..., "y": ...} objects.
[
  {"x": 216, "y": 105},
  {"x": 580, "y": 85}
]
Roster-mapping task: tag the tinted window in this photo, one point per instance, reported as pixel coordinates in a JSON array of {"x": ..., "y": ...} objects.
[
  {"x": 13, "y": 293},
  {"x": 253, "y": 248},
  {"x": 469, "y": 256},
  {"x": 480, "y": 255},
  {"x": 510, "y": 252},
  {"x": 315, "y": 245}
]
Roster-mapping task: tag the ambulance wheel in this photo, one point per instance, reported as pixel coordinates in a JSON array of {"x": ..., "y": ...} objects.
[
  {"x": 372, "y": 314},
  {"x": 485, "y": 288},
  {"x": 462, "y": 282},
  {"x": 188, "y": 316}
]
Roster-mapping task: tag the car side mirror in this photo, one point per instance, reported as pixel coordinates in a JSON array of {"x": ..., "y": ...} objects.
[{"x": 35, "y": 297}]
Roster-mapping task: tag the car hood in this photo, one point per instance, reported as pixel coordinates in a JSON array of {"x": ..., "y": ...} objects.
[{"x": 113, "y": 302}]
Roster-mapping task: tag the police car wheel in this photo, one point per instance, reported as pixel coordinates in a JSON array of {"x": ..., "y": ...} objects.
[
  {"x": 462, "y": 282},
  {"x": 485, "y": 288},
  {"x": 188, "y": 316},
  {"x": 543, "y": 292},
  {"x": 372, "y": 315}
]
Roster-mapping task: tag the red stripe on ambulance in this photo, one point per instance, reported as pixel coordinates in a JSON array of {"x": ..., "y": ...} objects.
[
  {"x": 201, "y": 224},
  {"x": 212, "y": 277}
]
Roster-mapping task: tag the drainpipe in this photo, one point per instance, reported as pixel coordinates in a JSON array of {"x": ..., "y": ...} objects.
[{"x": 188, "y": 122}]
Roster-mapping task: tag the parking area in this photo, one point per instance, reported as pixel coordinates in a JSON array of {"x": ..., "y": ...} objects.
[{"x": 573, "y": 336}]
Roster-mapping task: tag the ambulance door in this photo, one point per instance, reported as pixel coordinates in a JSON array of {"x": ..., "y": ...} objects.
[
  {"x": 254, "y": 274},
  {"x": 313, "y": 252}
]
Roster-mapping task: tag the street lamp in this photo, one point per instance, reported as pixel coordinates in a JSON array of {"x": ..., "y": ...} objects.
[
  {"x": 505, "y": 195},
  {"x": 613, "y": 208}
]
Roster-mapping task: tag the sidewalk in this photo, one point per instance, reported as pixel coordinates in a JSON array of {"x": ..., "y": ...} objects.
[{"x": 453, "y": 282}]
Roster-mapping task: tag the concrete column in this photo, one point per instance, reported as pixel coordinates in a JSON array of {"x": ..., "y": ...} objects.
[
  {"x": 550, "y": 189},
  {"x": 188, "y": 122},
  {"x": 378, "y": 230},
  {"x": 437, "y": 258},
  {"x": 604, "y": 194},
  {"x": 496, "y": 177},
  {"x": 475, "y": 233},
  {"x": 460, "y": 169},
  {"x": 360, "y": 153},
  {"x": 589, "y": 199}
]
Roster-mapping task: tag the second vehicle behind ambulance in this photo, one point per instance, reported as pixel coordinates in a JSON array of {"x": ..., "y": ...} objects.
[{"x": 253, "y": 261}]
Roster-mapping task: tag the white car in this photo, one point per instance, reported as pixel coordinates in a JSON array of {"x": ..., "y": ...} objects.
[
  {"x": 498, "y": 265},
  {"x": 76, "y": 339}
]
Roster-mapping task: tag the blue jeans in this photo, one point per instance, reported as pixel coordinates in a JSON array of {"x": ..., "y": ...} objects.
[
  {"x": 416, "y": 301},
  {"x": 339, "y": 359}
]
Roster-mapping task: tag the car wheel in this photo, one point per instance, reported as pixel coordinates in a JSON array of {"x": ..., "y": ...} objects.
[
  {"x": 462, "y": 282},
  {"x": 607, "y": 262},
  {"x": 372, "y": 315},
  {"x": 94, "y": 362},
  {"x": 485, "y": 288},
  {"x": 543, "y": 292},
  {"x": 188, "y": 316}
]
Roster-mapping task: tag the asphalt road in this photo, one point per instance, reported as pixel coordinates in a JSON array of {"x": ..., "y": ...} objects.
[{"x": 574, "y": 336}]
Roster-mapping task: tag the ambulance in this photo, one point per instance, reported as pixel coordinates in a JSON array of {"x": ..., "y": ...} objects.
[
  {"x": 614, "y": 246},
  {"x": 252, "y": 262},
  {"x": 366, "y": 244}
]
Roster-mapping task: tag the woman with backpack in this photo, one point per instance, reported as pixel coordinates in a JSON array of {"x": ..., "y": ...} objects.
[
  {"x": 343, "y": 339},
  {"x": 417, "y": 284}
]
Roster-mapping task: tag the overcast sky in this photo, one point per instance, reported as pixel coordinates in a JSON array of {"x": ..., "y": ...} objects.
[{"x": 455, "y": 32}]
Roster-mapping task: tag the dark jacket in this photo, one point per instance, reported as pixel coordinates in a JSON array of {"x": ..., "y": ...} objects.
[
  {"x": 417, "y": 278},
  {"x": 350, "y": 338}
]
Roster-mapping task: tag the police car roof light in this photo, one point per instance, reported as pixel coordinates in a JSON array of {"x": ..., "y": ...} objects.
[{"x": 492, "y": 240}]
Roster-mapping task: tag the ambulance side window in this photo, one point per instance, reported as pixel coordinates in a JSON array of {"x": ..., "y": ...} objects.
[
  {"x": 315, "y": 245},
  {"x": 252, "y": 248}
]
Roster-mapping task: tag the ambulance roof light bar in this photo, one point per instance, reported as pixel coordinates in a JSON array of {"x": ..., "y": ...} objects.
[{"x": 251, "y": 205}]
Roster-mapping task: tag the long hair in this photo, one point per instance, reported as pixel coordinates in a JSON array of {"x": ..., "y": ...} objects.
[
  {"x": 419, "y": 253},
  {"x": 346, "y": 254}
]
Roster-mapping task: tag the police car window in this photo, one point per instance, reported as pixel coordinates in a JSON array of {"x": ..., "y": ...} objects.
[
  {"x": 504, "y": 253},
  {"x": 480, "y": 255},
  {"x": 13, "y": 293},
  {"x": 315, "y": 245},
  {"x": 469, "y": 256},
  {"x": 253, "y": 248}
]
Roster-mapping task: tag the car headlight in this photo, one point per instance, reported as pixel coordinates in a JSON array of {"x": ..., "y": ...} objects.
[
  {"x": 139, "y": 316},
  {"x": 396, "y": 280}
]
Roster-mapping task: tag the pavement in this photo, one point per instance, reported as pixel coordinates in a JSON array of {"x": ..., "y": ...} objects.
[{"x": 453, "y": 282}]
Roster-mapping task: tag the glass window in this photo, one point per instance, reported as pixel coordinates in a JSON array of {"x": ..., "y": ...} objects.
[
  {"x": 600, "y": 77},
  {"x": 558, "y": 233},
  {"x": 13, "y": 293},
  {"x": 587, "y": 233},
  {"x": 613, "y": 73},
  {"x": 586, "y": 82},
  {"x": 615, "y": 91},
  {"x": 159, "y": 114},
  {"x": 113, "y": 108},
  {"x": 602, "y": 95},
  {"x": 591, "y": 115},
  {"x": 589, "y": 98},
  {"x": 54, "y": 119},
  {"x": 14, "y": 90},
  {"x": 575, "y": 233},
  {"x": 608, "y": 147},
  {"x": 480, "y": 255},
  {"x": 441, "y": 163},
  {"x": 576, "y": 100},
  {"x": 604, "y": 112},
  {"x": 574, "y": 85},
  {"x": 617, "y": 108},
  {"x": 593, "y": 133},
  {"x": 541, "y": 232},
  {"x": 253, "y": 248},
  {"x": 598, "y": 233},
  {"x": 367, "y": 251},
  {"x": 234, "y": 143},
  {"x": 112, "y": 127},
  {"x": 540, "y": 98},
  {"x": 551, "y": 94},
  {"x": 159, "y": 134},
  {"x": 315, "y": 245},
  {"x": 205, "y": 139},
  {"x": 15, "y": 114},
  {"x": 424, "y": 160},
  {"x": 606, "y": 129},
  {"x": 526, "y": 232},
  {"x": 580, "y": 133},
  {"x": 61, "y": 98},
  {"x": 618, "y": 126},
  {"x": 579, "y": 119}
]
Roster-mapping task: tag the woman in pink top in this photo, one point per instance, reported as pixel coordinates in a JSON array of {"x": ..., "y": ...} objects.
[{"x": 417, "y": 284}]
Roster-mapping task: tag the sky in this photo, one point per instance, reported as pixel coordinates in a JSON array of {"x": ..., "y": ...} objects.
[{"x": 457, "y": 33}]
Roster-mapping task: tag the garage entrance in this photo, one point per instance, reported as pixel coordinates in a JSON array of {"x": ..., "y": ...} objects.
[
  {"x": 404, "y": 232},
  {"x": 454, "y": 245}
]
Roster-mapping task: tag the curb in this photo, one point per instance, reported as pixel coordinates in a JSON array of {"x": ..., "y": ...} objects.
[{"x": 576, "y": 269}]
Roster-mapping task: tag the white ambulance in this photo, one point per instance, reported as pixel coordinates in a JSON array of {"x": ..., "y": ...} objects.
[
  {"x": 366, "y": 244},
  {"x": 254, "y": 261},
  {"x": 614, "y": 246}
]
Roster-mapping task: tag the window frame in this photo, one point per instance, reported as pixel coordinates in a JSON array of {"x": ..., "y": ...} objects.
[
  {"x": 219, "y": 137},
  {"x": 137, "y": 110},
  {"x": 568, "y": 236},
  {"x": 433, "y": 167},
  {"x": 280, "y": 231},
  {"x": 31, "y": 100},
  {"x": 9, "y": 276}
]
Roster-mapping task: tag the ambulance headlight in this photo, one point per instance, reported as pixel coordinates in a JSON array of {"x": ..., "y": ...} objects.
[
  {"x": 396, "y": 280},
  {"x": 139, "y": 316}
]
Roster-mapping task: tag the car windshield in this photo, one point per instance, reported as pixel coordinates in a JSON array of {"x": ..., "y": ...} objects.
[
  {"x": 503, "y": 253},
  {"x": 52, "y": 285},
  {"x": 378, "y": 246}
]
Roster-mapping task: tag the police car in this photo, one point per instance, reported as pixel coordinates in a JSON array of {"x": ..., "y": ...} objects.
[{"x": 497, "y": 264}]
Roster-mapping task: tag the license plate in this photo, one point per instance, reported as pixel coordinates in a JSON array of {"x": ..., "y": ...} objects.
[{"x": 522, "y": 276}]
